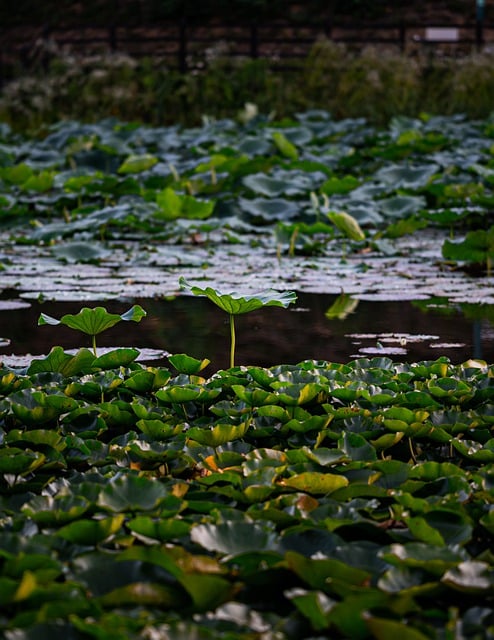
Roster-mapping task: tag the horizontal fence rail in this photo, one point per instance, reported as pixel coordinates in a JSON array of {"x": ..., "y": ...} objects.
[{"x": 181, "y": 45}]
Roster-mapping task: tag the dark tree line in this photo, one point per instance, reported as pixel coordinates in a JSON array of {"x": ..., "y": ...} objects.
[{"x": 54, "y": 12}]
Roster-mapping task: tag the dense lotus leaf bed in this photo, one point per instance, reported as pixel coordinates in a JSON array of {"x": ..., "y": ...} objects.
[
  {"x": 298, "y": 501},
  {"x": 249, "y": 204}
]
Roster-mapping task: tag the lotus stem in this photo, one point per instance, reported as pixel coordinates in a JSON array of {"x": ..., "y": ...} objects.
[
  {"x": 232, "y": 340},
  {"x": 94, "y": 346}
]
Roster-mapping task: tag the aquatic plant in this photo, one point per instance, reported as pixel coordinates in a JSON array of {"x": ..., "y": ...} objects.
[
  {"x": 93, "y": 321},
  {"x": 235, "y": 304}
]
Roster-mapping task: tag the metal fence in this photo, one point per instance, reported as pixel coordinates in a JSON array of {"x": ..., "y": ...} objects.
[{"x": 182, "y": 44}]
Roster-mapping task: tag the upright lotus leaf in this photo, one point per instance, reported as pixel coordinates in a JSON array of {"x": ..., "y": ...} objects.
[
  {"x": 284, "y": 146},
  {"x": 343, "y": 306},
  {"x": 94, "y": 321},
  {"x": 235, "y": 304},
  {"x": 174, "y": 205},
  {"x": 347, "y": 224},
  {"x": 138, "y": 163}
]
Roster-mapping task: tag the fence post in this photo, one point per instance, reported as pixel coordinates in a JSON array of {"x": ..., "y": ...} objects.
[
  {"x": 254, "y": 41},
  {"x": 182, "y": 45}
]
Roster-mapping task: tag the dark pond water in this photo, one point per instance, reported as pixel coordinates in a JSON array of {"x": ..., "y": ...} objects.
[{"x": 400, "y": 330}]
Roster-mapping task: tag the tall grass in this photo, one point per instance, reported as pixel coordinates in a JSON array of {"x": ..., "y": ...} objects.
[{"x": 376, "y": 84}]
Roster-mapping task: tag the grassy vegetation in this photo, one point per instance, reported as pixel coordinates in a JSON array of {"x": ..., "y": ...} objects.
[{"x": 375, "y": 84}]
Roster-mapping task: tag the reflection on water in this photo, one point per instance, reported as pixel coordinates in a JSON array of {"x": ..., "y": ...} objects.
[{"x": 266, "y": 337}]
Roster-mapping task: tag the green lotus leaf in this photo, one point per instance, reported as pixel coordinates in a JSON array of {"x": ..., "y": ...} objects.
[
  {"x": 235, "y": 303},
  {"x": 157, "y": 429},
  {"x": 144, "y": 594},
  {"x": 404, "y": 227},
  {"x": 187, "y": 364},
  {"x": 347, "y": 224},
  {"x": 173, "y": 205},
  {"x": 91, "y": 532},
  {"x": 269, "y": 210},
  {"x": 419, "y": 555},
  {"x": 140, "y": 381},
  {"x": 342, "y": 307},
  {"x": 65, "y": 363},
  {"x": 401, "y": 206},
  {"x": 313, "y": 482},
  {"x": 116, "y": 358},
  {"x": 80, "y": 252},
  {"x": 356, "y": 447},
  {"x": 385, "y": 629},
  {"x": 94, "y": 321},
  {"x": 314, "y": 605},
  {"x": 37, "y": 407},
  {"x": 487, "y": 521},
  {"x": 475, "y": 450},
  {"x": 410, "y": 177},
  {"x": 284, "y": 146},
  {"x": 132, "y": 493},
  {"x": 314, "y": 423},
  {"x": 470, "y": 577},
  {"x": 268, "y": 186},
  {"x": 254, "y": 397},
  {"x": 49, "y": 511},
  {"x": 207, "y": 591},
  {"x": 40, "y": 182},
  {"x": 138, "y": 163},
  {"x": 324, "y": 456},
  {"x": 17, "y": 174},
  {"x": 217, "y": 435},
  {"x": 186, "y": 393},
  {"x": 19, "y": 461},
  {"x": 319, "y": 573},
  {"x": 164, "y": 530},
  {"x": 296, "y": 393},
  {"x": 335, "y": 185},
  {"x": 233, "y": 538},
  {"x": 478, "y": 246}
]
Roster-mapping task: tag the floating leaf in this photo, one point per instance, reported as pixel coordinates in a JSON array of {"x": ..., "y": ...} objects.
[{"x": 316, "y": 483}]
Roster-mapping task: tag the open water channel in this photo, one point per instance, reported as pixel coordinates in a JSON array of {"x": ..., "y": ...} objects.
[{"x": 400, "y": 330}]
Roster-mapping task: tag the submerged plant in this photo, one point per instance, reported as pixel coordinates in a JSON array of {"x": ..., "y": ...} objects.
[
  {"x": 235, "y": 304},
  {"x": 94, "y": 321}
]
